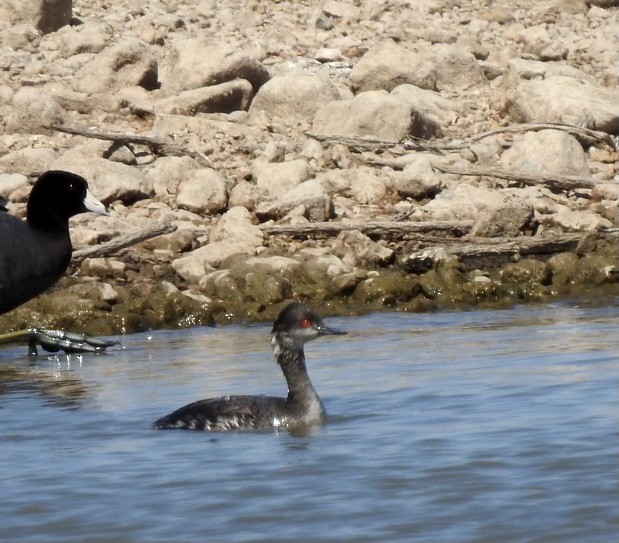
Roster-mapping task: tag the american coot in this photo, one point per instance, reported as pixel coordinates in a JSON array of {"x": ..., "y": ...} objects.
[
  {"x": 295, "y": 325},
  {"x": 35, "y": 253}
]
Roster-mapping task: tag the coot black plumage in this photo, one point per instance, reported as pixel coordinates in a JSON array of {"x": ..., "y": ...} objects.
[
  {"x": 36, "y": 252},
  {"x": 295, "y": 325}
]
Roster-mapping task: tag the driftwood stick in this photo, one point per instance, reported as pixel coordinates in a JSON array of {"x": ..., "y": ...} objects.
[
  {"x": 585, "y": 135},
  {"x": 389, "y": 229},
  {"x": 490, "y": 252},
  {"x": 555, "y": 182},
  {"x": 354, "y": 142},
  {"x": 157, "y": 146},
  {"x": 121, "y": 242},
  {"x": 525, "y": 245}
]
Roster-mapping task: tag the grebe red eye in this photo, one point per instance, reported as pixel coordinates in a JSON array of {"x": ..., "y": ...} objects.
[{"x": 306, "y": 323}]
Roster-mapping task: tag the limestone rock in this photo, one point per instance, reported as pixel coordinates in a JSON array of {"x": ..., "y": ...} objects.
[
  {"x": 367, "y": 187},
  {"x": 32, "y": 110},
  {"x": 552, "y": 152},
  {"x": 273, "y": 264},
  {"x": 462, "y": 202},
  {"x": 429, "y": 104},
  {"x": 509, "y": 220},
  {"x": 46, "y": 15},
  {"x": 374, "y": 114},
  {"x": 454, "y": 68},
  {"x": 237, "y": 224},
  {"x": 167, "y": 172},
  {"x": 296, "y": 96},
  {"x": 277, "y": 178},
  {"x": 310, "y": 194},
  {"x": 195, "y": 264},
  {"x": 388, "y": 65},
  {"x": 195, "y": 63},
  {"x": 129, "y": 62},
  {"x": 38, "y": 159},
  {"x": 320, "y": 261},
  {"x": 223, "y": 98},
  {"x": 418, "y": 180},
  {"x": 90, "y": 37},
  {"x": 202, "y": 191},
  {"x": 107, "y": 179},
  {"x": 356, "y": 249},
  {"x": 572, "y": 220},
  {"x": 560, "y": 99}
]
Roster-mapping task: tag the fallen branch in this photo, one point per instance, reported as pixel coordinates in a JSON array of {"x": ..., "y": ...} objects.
[
  {"x": 553, "y": 182},
  {"x": 361, "y": 143},
  {"x": 584, "y": 135},
  {"x": 121, "y": 242},
  {"x": 493, "y": 251},
  {"x": 157, "y": 146},
  {"x": 388, "y": 229}
]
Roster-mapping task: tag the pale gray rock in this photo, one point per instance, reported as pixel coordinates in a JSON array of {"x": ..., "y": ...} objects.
[
  {"x": 10, "y": 182},
  {"x": 46, "y": 15},
  {"x": 273, "y": 264},
  {"x": 418, "y": 179},
  {"x": 32, "y": 110},
  {"x": 277, "y": 178},
  {"x": 202, "y": 191},
  {"x": 573, "y": 220},
  {"x": 237, "y": 225},
  {"x": 525, "y": 69},
  {"x": 387, "y": 65},
  {"x": 246, "y": 194},
  {"x": 368, "y": 186},
  {"x": 6, "y": 95},
  {"x": 567, "y": 100},
  {"x": 223, "y": 98},
  {"x": 454, "y": 68},
  {"x": 357, "y": 249},
  {"x": 462, "y": 201},
  {"x": 321, "y": 262},
  {"x": 37, "y": 159},
  {"x": 196, "y": 264},
  {"x": 509, "y": 220},
  {"x": 294, "y": 96},
  {"x": 90, "y": 37},
  {"x": 107, "y": 179},
  {"x": 429, "y": 104},
  {"x": 195, "y": 62},
  {"x": 311, "y": 195},
  {"x": 552, "y": 152},
  {"x": 166, "y": 173},
  {"x": 126, "y": 63},
  {"x": 374, "y": 114}
]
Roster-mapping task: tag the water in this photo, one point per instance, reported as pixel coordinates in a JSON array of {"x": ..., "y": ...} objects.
[{"x": 452, "y": 427}]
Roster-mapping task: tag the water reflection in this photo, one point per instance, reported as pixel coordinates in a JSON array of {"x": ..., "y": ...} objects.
[{"x": 55, "y": 385}]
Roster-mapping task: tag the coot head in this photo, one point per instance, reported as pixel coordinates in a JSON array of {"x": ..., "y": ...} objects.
[{"x": 58, "y": 195}]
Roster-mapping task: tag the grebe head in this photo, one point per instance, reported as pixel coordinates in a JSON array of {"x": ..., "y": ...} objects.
[{"x": 298, "y": 324}]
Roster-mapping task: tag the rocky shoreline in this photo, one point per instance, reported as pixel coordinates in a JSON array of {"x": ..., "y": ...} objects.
[{"x": 357, "y": 155}]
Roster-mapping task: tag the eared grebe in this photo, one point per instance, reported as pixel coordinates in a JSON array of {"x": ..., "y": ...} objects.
[
  {"x": 295, "y": 325},
  {"x": 36, "y": 252}
]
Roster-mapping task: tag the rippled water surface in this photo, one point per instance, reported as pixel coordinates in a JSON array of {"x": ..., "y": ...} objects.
[{"x": 450, "y": 427}]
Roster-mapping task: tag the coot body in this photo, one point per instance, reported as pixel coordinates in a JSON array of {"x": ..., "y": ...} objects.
[{"x": 36, "y": 252}]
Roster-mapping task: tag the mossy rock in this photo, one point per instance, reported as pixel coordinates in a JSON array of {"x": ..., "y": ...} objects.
[{"x": 387, "y": 285}]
